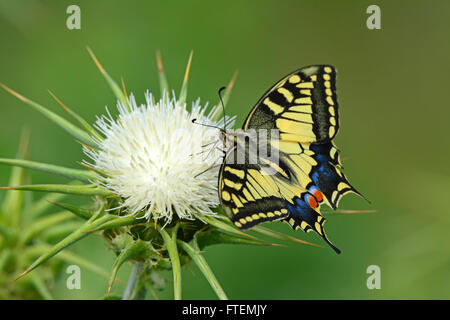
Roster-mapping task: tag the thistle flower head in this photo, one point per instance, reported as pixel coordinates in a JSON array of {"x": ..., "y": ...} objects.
[{"x": 152, "y": 157}]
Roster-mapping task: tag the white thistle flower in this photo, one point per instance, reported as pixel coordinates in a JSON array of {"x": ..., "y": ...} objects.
[{"x": 155, "y": 158}]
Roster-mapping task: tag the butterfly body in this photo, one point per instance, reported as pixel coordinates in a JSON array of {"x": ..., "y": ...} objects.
[{"x": 296, "y": 119}]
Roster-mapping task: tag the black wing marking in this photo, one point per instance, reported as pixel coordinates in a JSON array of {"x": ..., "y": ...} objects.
[{"x": 303, "y": 106}]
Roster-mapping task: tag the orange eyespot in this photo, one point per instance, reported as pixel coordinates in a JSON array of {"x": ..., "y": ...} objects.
[
  {"x": 318, "y": 195},
  {"x": 312, "y": 202}
]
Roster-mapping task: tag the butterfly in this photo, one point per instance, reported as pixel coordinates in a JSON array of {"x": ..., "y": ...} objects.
[{"x": 302, "y": 108}]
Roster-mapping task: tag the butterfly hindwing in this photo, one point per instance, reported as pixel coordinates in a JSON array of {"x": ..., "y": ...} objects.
[
  {"x": 302, "y": 105},
  {"x": 304, "y": 164},
  {"x": 302, "y": 215},
  {"x": 249, "y": 196},
  {"x": 318, "y": 169},
  {"x": 327, "y": 174}
]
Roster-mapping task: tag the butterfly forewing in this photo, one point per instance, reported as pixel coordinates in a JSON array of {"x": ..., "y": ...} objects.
[{"x": 302, "y": 105}]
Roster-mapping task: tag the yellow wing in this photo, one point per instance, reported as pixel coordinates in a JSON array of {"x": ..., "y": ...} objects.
[
  {"x": 250, "y": 197},
  {"x": 317, "y": 168},
  {"x": 302, "y": 105}
]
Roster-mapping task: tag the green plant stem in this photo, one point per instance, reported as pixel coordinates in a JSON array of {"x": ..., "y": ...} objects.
[
  {"x": 132, "y": 284},
  {"x": 78, "y": 234},
  {"x": 172, "y": 249},
  {"x": 73, "y": 130},
  {"x": 201, "y": 263},
  {"x": 40, "y": 286}
]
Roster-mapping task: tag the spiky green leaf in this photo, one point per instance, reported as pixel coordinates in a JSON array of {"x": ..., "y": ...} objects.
[
  {"x": 77, "y": 117},
  {"x": 68, "y": 257},
  {"x": 281, "y": 236},
  {"x": 77, "y": 174},
  {"x": 39, "y": 284},
  {"x": 85, "y": 190},
  {"x": 43, "y": 224},
  {"x": 82, "y": 213},
  {"x": 73, "y": 130},
  {"x": 113, "y": 85},
  {"x": 171, "y": 246},
  {"x": 211, "y": 237},
  {"x": 119, "y": 221},
  {"x": 164, "y": 85},
  {"x": 70, "y": 239},
  {"x": 14, "y": 201},
  {"x": 224, "y": 226},
  {"x": 201, "y": 263},
  {"x": 39, "y": 207},
  {"x": 184, "y": 87},
  {"x": 138, "y": 250}
]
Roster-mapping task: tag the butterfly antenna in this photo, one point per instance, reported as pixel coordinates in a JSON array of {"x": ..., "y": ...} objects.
[
  {"x": 205, "y": 125},
  {"x": 224, "y": 117},
  {"x": 223, "y": 107}
]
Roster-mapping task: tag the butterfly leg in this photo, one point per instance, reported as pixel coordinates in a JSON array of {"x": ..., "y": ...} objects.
[
  {"x": 206, "y": 170},
  {"x": 203, "y": 146}
]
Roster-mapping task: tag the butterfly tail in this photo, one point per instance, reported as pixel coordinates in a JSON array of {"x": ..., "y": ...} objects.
[
  {"x": 303, "y": 215},
  {"x": 324, "y": 236}
]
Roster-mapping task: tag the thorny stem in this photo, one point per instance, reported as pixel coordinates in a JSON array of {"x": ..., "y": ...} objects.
[
  {"x": 194, "y": 253},
  {"x": 128, "y": 294},
  {"x": 171, "y": 245}
]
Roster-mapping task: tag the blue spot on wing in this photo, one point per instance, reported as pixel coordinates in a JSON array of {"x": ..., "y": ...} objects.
[{"x": 303, "y": 212}]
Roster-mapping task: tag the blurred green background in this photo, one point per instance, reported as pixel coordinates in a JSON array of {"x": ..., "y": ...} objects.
[{"x": 393, "y": 92}]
